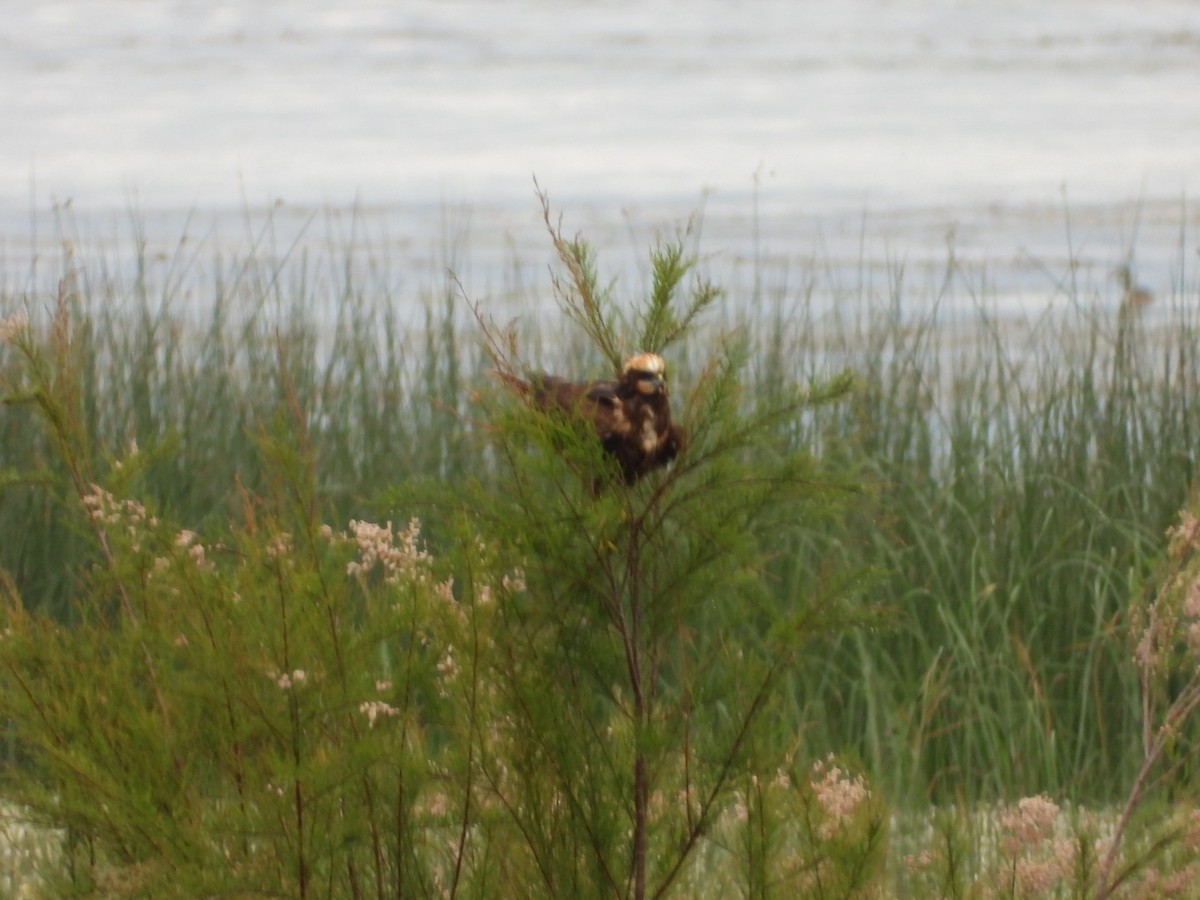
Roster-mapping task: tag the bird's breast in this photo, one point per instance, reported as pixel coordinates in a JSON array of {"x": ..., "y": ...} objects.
[{"x": 649, "y": 435}]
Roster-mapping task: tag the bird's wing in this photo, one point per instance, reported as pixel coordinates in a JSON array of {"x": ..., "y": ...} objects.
[
  {"x": 603, "y": 393},
  {"x": 597, "y": 401},
  {"x": 608, "y": 412},
  {"x": 551, "y": 391}
]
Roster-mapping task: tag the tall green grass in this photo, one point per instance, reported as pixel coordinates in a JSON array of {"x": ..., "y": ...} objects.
[
  {"x": 1022, "y": 473},
  {"x": 1026, "y": 474}
]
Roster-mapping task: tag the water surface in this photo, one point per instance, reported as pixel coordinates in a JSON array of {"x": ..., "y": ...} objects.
[{"x": 1013, "y": 134}]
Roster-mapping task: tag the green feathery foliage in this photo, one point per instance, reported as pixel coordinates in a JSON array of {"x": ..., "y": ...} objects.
[{"x": 642, "y": 663}]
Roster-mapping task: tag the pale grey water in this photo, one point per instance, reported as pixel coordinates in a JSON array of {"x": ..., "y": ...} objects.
[{"x": 825, "y": 133}]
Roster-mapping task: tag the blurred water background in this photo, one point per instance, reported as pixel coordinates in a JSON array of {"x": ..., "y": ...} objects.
[{"x": 1028, "y": 141}]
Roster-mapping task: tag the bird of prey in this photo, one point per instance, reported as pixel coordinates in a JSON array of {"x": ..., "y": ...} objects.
[{"x": 631, "y": 415}]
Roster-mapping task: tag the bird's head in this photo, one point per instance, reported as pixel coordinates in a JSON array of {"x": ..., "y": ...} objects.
[{"x": 648, "y": 371}]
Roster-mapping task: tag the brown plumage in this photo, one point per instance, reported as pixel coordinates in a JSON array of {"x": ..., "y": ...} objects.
[{"x": 631, "y": 415}]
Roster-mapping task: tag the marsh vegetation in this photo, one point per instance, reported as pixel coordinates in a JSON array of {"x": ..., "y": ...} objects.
[{"x": 944, "y": 581}]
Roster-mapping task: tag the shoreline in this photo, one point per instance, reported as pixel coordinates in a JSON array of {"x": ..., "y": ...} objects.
[{"x": 1019, "y": 257}]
